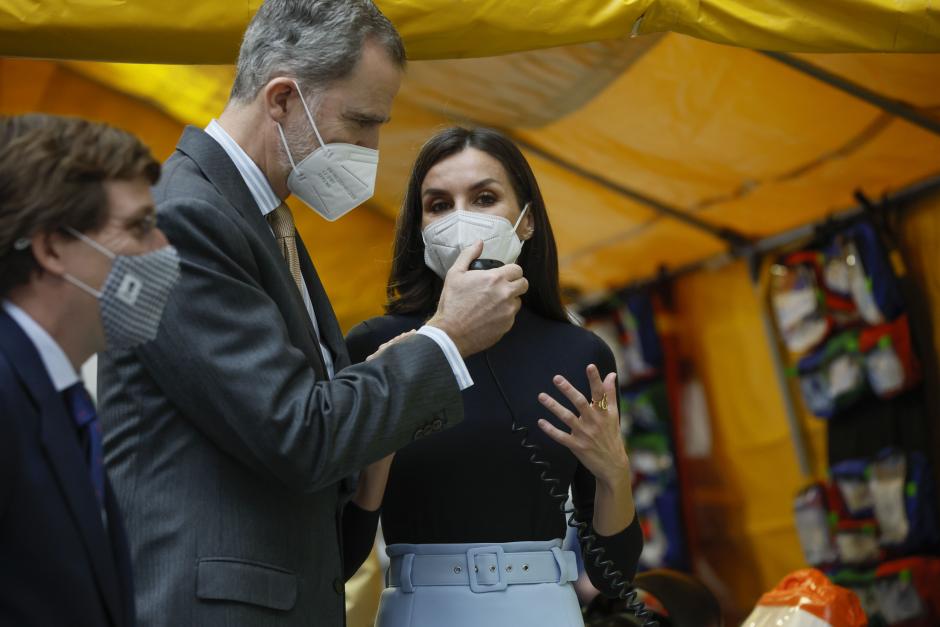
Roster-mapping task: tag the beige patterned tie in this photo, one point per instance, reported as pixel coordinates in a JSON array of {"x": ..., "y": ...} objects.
[{"x": 282, "y": 223}]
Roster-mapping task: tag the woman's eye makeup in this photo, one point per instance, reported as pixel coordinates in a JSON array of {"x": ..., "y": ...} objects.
[
  {"x": 437, "y": 206},
  {"x": 483, "y": 199},
  {"x": 486, "y": 199}
]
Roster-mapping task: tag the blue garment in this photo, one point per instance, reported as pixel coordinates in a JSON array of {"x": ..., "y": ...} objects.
[
  {"x": 471, "y": 585},
  {"x": 59, "y": 565},
  {"x": 85, "y": 417}
]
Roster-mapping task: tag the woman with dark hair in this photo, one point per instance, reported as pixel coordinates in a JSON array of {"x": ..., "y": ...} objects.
[{"x": 473, "y": 530}]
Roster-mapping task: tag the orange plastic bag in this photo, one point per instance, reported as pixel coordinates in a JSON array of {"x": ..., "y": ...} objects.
[{"x": 806, "y": 598}]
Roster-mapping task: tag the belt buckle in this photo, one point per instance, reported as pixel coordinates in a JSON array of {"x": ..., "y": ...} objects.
[
  {"x": 404, "y": 577},
  {"x": 559, "y": 556},
  {"x": 501, "y": 583}
]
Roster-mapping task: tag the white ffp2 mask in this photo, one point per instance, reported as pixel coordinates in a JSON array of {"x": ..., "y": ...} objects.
[
  {"x": 335, "y": 178},
  {"x": 445, "y": 238}
]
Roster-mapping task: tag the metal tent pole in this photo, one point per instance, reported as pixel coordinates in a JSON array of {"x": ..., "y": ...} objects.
[{"x": 889, "y": 105}]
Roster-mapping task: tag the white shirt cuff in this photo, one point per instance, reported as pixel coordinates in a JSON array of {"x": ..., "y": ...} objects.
[{"x": 451, "y": 353}]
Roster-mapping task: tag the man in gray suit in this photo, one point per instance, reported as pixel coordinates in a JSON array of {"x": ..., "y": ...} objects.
[{"x": 229, "y": 439}]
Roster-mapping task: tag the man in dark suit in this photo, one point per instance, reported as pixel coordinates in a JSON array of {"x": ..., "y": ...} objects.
[
  {"x": 231, "y": 438},
  {"x": 81, "y": 263}
]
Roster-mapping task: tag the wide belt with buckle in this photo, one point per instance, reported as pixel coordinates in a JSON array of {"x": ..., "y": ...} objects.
[{"x": 484, "y": 569}]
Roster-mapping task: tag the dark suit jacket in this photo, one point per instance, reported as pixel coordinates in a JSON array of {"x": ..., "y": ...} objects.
[
  {"x": 58, "y": 564},
  {"x": 228, "y": 446}
]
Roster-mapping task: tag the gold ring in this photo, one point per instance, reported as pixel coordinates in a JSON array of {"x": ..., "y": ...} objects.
[{"x": 601, "y": 404}]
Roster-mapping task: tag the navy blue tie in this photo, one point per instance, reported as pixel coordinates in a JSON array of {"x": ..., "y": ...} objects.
[{"x": 89, "y": 429}]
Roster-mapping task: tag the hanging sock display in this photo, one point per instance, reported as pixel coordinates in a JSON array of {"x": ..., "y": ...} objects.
[
  {"x": 646, "y": 425},
  {"x": 890, "y": 362},
  {"x": 814, "y": 525},
  {"x": 851, "y": 479},
  {"x": 907, "y": 592},
  {"x": 833, "y": 378},
  {"x": 904, "y": 495}
]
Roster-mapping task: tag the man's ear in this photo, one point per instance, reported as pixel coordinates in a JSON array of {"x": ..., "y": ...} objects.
[
  {"x": 277, "y": 97},
  {"x": 46, "y": 247}
]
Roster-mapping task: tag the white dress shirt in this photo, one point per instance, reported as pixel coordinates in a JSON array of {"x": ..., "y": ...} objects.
[
  {"x": 268, "y": 201},
  {"x": 60, "y": 369}
]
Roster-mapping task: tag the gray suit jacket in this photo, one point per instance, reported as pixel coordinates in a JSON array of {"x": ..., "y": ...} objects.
[{"x": 226, "y": 444}]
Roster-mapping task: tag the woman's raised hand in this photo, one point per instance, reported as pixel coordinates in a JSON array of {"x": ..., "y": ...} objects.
[{"x": 595, "y": 437}]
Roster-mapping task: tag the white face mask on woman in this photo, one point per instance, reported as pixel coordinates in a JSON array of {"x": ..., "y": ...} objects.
[
  {"x": 335, "y": 178},
  {"x": 445, "y": 238}
]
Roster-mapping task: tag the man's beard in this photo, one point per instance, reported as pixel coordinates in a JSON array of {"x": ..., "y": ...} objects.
[{"x": 301, "y": 140}]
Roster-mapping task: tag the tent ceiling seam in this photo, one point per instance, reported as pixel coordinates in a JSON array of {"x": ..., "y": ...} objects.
[
  {"x": 893, "y": 106},
  {"x": 896, "y": 199},
  {"x": 725, "y": 233},
  {"x": 613, "y": 240},
  {"x": 856, "y": 142}
]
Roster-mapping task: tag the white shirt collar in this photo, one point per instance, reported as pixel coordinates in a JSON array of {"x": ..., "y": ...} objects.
[
  {"x": 60, "y": 369},
  {"x": 254, "y": 178}
]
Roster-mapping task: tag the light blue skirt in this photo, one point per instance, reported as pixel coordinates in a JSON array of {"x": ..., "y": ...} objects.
[{"x": 480, "y": 585}]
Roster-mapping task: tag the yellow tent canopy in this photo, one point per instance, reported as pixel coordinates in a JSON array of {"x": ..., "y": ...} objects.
[
  {"x": 182, "y": 31},
  {"x": 637, "y": 143}
]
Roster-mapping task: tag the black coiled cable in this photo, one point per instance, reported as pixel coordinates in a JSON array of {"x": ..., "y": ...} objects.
[{"x": 587, "y": 539}]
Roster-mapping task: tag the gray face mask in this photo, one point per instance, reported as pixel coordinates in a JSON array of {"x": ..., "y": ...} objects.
[{"x": 134, "y": 294}]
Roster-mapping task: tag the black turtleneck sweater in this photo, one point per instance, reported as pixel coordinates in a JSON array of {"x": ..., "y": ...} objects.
[{"x": 473, "y": 482}]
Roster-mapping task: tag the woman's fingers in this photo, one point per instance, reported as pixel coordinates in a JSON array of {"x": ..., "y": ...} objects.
[
  {"x": 559, "y": 410},
  {"x": 572, "y": 394},
  {"x": 595, "y": 434},
  {"x": 610, "y": 388},
  {"x": 598, "y": 390},
  {"x": 565, "y": 439}
]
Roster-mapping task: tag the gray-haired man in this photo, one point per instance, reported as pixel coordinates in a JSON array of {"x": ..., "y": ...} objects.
[{"x": 229, "y": 437}]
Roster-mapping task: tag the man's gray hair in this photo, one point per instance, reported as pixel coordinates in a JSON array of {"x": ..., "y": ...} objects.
[{"x": 315, "y": 41}]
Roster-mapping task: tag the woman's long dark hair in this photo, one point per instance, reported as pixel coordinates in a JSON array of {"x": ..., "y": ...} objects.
[{"x": 413, "y": 288}]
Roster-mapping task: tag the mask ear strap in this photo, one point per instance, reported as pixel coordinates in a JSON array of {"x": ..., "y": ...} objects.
[
  {"x": 521, "y": 215},
  {"x": 82, "y": 286},
  {"x": 309, "y": 115},
  {"x": 286, "y": 147},
  {"x": 101, "y": 249}
]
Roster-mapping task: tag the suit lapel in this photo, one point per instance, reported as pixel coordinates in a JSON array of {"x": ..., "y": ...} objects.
[
  {"x": 326, "y": 317},
  {"x": 60, "y": 442},
  {"x": 219, "y": 169},
  {"x": 333, "y": 337}
]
